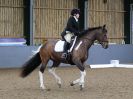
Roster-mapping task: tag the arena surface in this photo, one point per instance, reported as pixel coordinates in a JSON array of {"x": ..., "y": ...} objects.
[{"x": 107, "y": 83}]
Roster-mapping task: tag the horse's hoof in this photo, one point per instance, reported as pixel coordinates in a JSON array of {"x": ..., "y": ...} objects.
[
  {"x": 81, "y": 87},
  {"x": 45, "y": 89},
  {"x": 48, "y": 89},
  {"x": 42, "y": 87},
  {"x": 59, "y": 85},
  {"x": 71, "y": 84}
]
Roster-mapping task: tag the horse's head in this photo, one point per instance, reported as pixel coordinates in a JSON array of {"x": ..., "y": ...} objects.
[{"x": 101, "y": 36}]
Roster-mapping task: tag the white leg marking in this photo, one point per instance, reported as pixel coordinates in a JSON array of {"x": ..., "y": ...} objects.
[
  {"x": 76, "y": 81},
  {"x": 81, "y": 79},
  {"x": 58, "y": 79},
  {"x": 83, "y": 74},
  {"x": 41, "y": 80},
  {"x": 78, "y": 45}
]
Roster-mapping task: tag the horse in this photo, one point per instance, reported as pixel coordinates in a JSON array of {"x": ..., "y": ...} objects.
[{"x": 79, "y": 55}]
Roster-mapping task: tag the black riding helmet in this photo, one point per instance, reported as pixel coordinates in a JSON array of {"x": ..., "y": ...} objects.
[{"x": 75, "y": 11}]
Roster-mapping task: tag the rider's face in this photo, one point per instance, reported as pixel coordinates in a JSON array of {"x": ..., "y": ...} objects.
[{"x": 77, "y": 16}]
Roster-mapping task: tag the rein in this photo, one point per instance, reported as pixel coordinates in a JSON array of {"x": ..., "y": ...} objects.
[
  {"x": 88, "y": 39},
  {"x": 100, "y": 42}
]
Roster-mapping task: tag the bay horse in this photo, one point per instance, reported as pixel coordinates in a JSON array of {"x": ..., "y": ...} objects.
[{"x": 79, "y": 55}]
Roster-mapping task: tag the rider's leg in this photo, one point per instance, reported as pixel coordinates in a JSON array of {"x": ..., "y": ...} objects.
[
  {"x": 67, "y": 38},
  {"x": 64, "y": 55},
  {"x": 66, "y": 47}
]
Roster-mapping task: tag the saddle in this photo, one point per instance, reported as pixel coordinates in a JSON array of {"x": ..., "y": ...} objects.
[{"x": 59, "y": 46}]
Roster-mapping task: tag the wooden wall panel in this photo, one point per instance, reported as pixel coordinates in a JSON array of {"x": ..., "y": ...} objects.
[
  {"x": 11, "y": 18},
  {"x": 50, "y": 17},
  {"x": 110, "y": 13}
]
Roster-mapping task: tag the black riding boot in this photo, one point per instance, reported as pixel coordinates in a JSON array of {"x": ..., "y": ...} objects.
[{"x": 64, "y": 55}]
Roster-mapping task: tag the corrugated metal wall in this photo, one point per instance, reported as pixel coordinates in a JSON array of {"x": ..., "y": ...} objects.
[
  {"x": 111, "y": 13},
  {"x": 11, "y": 18},
  {"x": 50, "y": 17}
]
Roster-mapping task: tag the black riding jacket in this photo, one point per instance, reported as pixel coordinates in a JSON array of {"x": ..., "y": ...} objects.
[{"x": 72, "y": 26}]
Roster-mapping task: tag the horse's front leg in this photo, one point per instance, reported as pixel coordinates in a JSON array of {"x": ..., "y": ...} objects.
[{"x": 81, "y": 80}]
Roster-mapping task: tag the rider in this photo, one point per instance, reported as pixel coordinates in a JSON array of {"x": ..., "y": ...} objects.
[{"x": 72, "y": 29}]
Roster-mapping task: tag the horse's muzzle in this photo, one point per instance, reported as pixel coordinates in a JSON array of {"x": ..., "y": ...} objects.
[{"x": 104, "y": 44}]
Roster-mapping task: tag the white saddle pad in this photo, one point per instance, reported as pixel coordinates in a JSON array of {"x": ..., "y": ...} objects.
[{"x": 59, "y": 46}]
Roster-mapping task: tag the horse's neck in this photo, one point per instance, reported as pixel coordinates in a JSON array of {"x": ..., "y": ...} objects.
[{"x": 88, "y": 39}]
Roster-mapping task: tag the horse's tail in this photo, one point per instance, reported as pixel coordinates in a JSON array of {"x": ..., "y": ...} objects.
[{"x": 30, "y": 65}]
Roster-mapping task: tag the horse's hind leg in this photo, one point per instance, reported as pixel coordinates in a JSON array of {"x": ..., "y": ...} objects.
[
  {"x": 52, "y": 71},
  {"x": 41, "y": 71}
]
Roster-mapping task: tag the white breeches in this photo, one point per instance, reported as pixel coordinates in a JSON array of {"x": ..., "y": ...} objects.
[{"x": 68, "y": 36}]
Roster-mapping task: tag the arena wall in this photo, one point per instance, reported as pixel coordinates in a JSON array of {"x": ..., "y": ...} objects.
[{"x": 15, "y": 56}]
